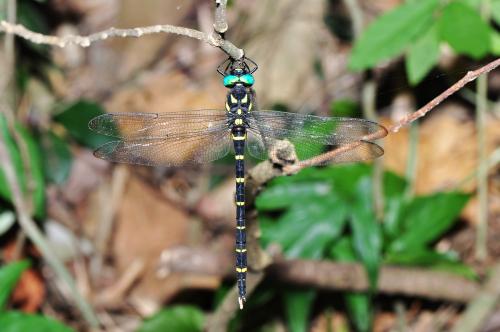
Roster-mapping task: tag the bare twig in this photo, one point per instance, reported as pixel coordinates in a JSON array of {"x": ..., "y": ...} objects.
[
  {"x": 469, "y": 77},
  {"x": 114, "y": 296},
  {"x": 482, "y": 306},
  {"x": 214, "y": 39},
  {"x": 482, "y": 173},
  {"x": 325, "y": 157},
  {"x": 110, "y": 204},
  {"x": 220, "y": 25},
  {"x": 481, "y": 250}
]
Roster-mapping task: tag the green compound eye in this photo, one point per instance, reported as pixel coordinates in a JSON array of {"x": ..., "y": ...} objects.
[
  {"x": 247, "y": 80},
  {"x": 230, "y": 80}
]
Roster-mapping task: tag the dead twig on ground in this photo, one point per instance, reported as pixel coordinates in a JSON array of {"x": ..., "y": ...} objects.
[
  {"x": 429, "y": 284},
  {"x": 482, "y": 305}
]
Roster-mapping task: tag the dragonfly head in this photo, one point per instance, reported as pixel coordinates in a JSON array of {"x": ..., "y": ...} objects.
[
  {"x": 237, "y": 77},
  {"x": 238, "y": 72}
]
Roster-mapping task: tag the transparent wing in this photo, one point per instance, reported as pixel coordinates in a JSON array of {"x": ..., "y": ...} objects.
[
  {"x": 360, "y": 151},
  {"x": 138, "y": 126},
  {"x": 168, "y": 151},
  {"x": 313, "y": 135},
  {"x": 256, "y": 146},
  {"x": 324, "y": 130}
]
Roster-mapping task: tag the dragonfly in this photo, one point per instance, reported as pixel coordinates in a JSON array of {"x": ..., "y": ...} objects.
[{"x": 176, "y": 139}]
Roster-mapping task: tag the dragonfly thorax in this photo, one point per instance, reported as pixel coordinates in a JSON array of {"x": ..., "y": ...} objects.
[{"x": 239, "y": 103}]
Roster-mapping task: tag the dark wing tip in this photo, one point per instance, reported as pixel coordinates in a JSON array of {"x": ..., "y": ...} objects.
[
  {"x": 107, "y": 150},
  {"x": 376, "y": 131},
  {"x": 96, "y": 123}
]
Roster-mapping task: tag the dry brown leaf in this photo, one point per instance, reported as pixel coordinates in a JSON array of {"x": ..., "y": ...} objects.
[
  {"x": 146, "y": 224},
  {"x": 384, "y": 321},
  {"x": 447, "y": 152},
  {"x": 286, "y": 38},
  {"x": 331, "y": 321},
  {"x": 218, "y": 205},
  {"x": 168, "y": 93},
  {"x": 149, "y": 12},
  {"x": 29, "y": 293}
]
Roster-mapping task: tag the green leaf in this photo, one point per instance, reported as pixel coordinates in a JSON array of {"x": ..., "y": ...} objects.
[
  {"x": 37, "y": 187},
  {"x": 448, "y": 262},
  {"x": 57, "y": 157},
  {"x": 76, "y": 117},
  {"x": 367, "y": 235},
  {"x": 345, "y": 107},
  {"x": 495, "y": 11},
  {"x": 342, "y": 178},
  {"x": 495, "y": 43},
  {"x": 9, "y": 275},
  {"x": 13, "y": 321},
  {"x": 288, "y": 194},
  {"x": 358, "y": 304},
  {"x": 465, "y": 31},
  {"x": 306, "y": 229},
  {"x": 360, "y": 310},
  {"x": 306, "y": 151},
  {"x": 426, "y": 218},
  {"x": 391, "y": 33},
  {"x": 7, "y": 219},
  {"x": 394, "y": 185},
  {"x": 423, "y": 55},
  {"x": 15, "y": 158},
  {"x": 178, "y": 318},
  {"x": 36, "y": 170},
  {"x": 298, "y": 305},
  {"x": 29, "y": 15}
]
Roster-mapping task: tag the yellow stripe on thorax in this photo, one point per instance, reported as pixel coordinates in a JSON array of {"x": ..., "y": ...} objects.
[{"x": 243, "y": 269}]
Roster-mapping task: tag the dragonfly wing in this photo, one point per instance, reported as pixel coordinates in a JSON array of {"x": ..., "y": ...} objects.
[
  {"x": 256, "y": 146},
  {"x": 325, "y": 130},
  {"x": 314, "y": 135},
  {"x": 138, "y": 126},
  {"x": 168, "y": 151},
  {"x": 349, "y": 153}
]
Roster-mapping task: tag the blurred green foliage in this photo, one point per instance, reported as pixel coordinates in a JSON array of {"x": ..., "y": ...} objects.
[
  {"x": 27, "y": 161},
  {"x": 57, "y": 159},
  {"x": 328, "y": 213},
  {"x": 13, "y": 321},
  {"x": 75, "y": 118},
  {"x": 176, "y": 318},
  {"x": 417, "y": 28}
]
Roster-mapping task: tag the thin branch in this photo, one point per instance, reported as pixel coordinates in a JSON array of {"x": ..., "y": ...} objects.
[
  {"x": 325, "y": 157},
  {"x": 85, "y": 41},
  {"x": 469, "y": 77},
  {"x": 482, "y": 173},
  {"x": 220, "y": 25}
]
